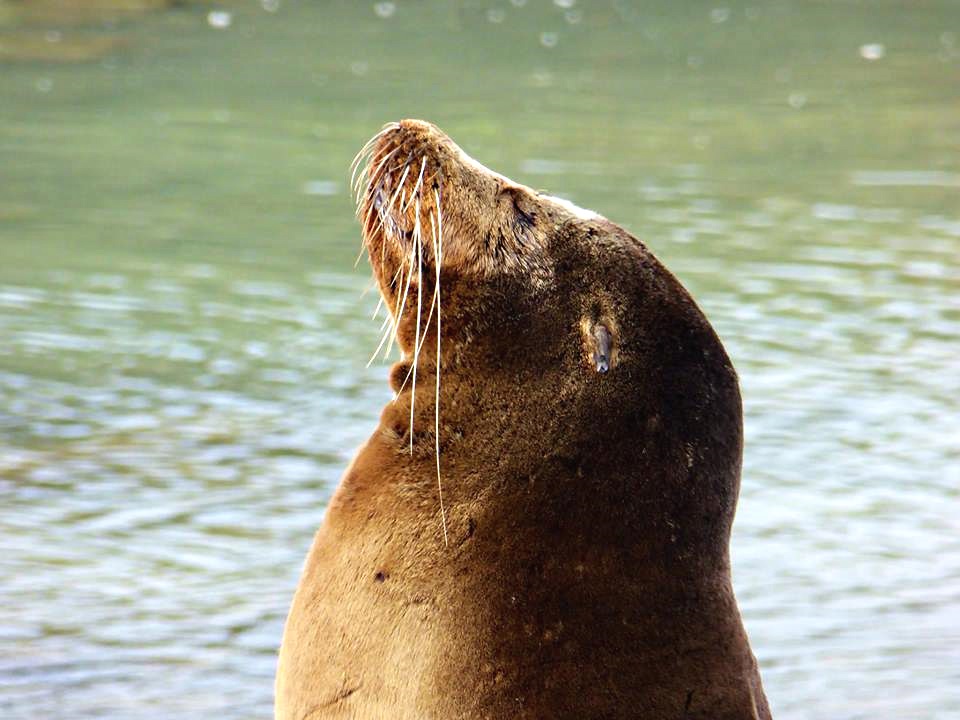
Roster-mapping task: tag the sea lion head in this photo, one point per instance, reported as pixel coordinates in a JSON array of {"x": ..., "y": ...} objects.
[{"x": 566, "y": 349}]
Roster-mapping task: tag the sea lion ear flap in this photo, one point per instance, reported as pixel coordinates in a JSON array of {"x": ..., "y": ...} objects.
[
  {"x": 603, "y": 346},
  {"x": 600, "y": 344}
]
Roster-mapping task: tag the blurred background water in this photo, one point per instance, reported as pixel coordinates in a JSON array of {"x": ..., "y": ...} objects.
[{"x": 183, "y": 337}]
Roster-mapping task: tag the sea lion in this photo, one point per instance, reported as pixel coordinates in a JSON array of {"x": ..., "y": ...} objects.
[{"x": 539, "y": 526}]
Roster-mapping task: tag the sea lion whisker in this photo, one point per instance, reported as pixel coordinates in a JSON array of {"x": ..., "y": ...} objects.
[
  {"x": 433, "y": 302},
  {"x": 369, "y": 201},
  {"x": 367, "y": 289},
  {"x": 417, "y": 236},
  {"x": 365, "y": 152},
  {"x": 403, "y": 302},
  {"x": 357, "y": 179},
  {"x": 356, "y": 262},
  {"x": 376, "y": 170},
  {"x": 396, "y": 192},
  {"x": 417, "y": 184},
  {"x": 367, "y": 235},
  {"x": 397, "y": 274},
  {"x": 393, "y": 328},
  {"x": 356, "y": 163},
  {"x": 416, "y": 342},
  {"x": 437, "y": 257},
  {"x": 369, "y": 145},
  {"x": 386, "y": 329}
]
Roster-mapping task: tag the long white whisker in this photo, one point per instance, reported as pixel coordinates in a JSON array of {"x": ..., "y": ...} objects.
[
  {"x": 416, "y": 342},
  {"x": 433, "y": 299},
  {"x": 437, "y": 257},
  {"x": 357, "y": 163},
  {"x": 377, "y": 308},
  {"x": 417, "y": 184},
  {"x": 371, "y": 206},
  {"x": 387, "y": 332},
  {"x": 403, "y": 302},
  {"x": 396, "y": 192},
  {"x": 364, "y": 182},
  {"x": 433, "y": 302},
  {"x": 376, "y": 170},
  {"x": 393, "y": 328},
  {"x": 368, "y": 146},
  {"x": 356, "y": 262}
]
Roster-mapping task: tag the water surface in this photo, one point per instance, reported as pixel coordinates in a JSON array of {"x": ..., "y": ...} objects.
[{"x": 182, "y": 373}]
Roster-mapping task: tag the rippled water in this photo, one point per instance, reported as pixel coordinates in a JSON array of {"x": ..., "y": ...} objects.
[{"x": 182, "y": 373}]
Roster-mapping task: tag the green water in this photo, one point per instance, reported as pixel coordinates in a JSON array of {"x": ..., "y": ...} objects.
[{"x": 183, "y": 337}]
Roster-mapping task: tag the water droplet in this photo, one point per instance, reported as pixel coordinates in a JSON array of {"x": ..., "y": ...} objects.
[
  {"x": 359, "y": 68},
  {"x": 573, "y": 16},
  {"x": 53, "y": 36},
  {"x": 44, "y": 85},
  {"x": 219, "y": 19},
  {"x": 271, "y": 6},
  {"x": 565, "y": 4},
  {"x": 385, "y": 9},
  {"x": 325, "y": 188},
  {"x": 496, "y": 15},
  {"x": 872, "y": 51},
  {"x": 719, "y": 15},
  {"x": 548, "y": 39},
  {"x": 797, "y": 100},
  {"x": 541, "y": 78}
]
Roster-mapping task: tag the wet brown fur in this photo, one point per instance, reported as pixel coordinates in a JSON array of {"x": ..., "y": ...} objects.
[{"x": 586, "y": 570}]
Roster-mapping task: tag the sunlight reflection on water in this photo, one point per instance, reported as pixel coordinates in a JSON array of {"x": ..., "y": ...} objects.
[{"x": 182, "y": 375}]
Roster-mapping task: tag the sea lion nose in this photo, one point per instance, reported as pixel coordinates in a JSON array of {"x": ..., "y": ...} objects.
[{"x": 415, "y": 124}]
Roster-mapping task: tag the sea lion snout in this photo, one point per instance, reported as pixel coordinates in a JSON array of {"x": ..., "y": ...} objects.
[{"x": 426, "y": 200}]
